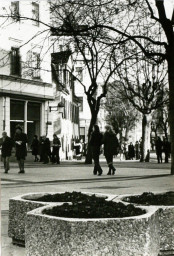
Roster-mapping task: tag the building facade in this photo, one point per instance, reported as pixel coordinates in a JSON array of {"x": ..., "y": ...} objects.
[{"x": 28, "y": 91}]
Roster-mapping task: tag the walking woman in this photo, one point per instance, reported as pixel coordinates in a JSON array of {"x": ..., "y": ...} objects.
[
  {"x": 56, "y": 147},
  {"x": 95, "y": 142},
  {"x": 21, "y": 148},
  {"x": 6, "y": 144},
  {"x": 111, "y": 145},
  {"x": 35, "y": 148}
]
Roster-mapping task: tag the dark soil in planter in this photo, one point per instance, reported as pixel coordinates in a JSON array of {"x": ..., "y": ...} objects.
[
  {"x": 64, "y": 197},
  {"x": 166, "y": 199},
  {"x": 94, "y": 207}
]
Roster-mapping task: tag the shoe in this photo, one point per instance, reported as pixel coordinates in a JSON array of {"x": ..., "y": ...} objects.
[
  {"x": 21, "y": 171},
  {"x": 6, "y": 172},
  {"x": 94, "y": 173},
  {"x": 100, "y": 173},
  {"x": 113, "y": 171}
]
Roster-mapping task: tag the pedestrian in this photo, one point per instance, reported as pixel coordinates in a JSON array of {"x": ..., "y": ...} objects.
[
  {"x": 131, "y": 151},
  {"x": 46, "y": 149},
  {"x": 121, "y": 151},
  {"x": 111, "y": 147},
  {"x": 159, "y": 148},
  {"x": 21, "y": 147},
  {"x": 96, "y": 142},
  {"x": 166, "y": 149},
  {"x": 35, "y": 148},
  {"x": 56, "y": 148},
  {"x": 125, "y": 151},
  {"x": 6, "y": 144},
  {"x": 137, "y": 150}
]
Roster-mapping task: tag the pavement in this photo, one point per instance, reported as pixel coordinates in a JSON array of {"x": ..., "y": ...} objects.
[{"x": 131, "y": 177}]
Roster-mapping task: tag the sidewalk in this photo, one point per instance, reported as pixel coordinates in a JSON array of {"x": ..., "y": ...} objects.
[{"x": 130, "y": 177}]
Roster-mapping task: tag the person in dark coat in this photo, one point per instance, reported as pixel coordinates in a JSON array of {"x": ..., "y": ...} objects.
[
  {"x": 6, "y": 144},
  {"x": 159, "y": 148},
  {"x": 96, "y": 142},
  {"x": 166, "y": 149},
  {"x": 131, "y": 151},
  {"x": 46, "y": 149},
  {"x": 137, "y": 150},
  {"x": 21, "y": 147},
  {"x": 56, "y": 148},
  {"x": 35, "y": 148},
  {"x": 111, "y": 147}
]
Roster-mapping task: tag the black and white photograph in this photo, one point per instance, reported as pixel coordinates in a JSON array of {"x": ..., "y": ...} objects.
[{"x": 87, "y": 127}]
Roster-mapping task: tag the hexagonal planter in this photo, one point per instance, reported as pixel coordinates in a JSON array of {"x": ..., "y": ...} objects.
[
  {"x": 130, "y": 236},
  {"x": 20, "y": 205},
  {"x": 166, "y": 220}
]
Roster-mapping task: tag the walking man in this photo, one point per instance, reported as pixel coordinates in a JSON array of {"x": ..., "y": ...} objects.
[
  {"x": 56, "y": 147},
  {"x": 95, "y": 142},
  {"x": 159, "y": 147},
  {"x": 6, "y": 144},
  {"x": 111, "y": 146},
  {"x": 21, "y": 148}
]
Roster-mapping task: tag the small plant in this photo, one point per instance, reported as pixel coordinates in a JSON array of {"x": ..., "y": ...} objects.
[{"x": 149, "y": 198}]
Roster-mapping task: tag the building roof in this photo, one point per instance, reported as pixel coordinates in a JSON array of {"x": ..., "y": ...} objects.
[{"x": 61, "y": 57}]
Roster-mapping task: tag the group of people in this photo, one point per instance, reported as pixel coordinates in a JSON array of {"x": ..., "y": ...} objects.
[
  {"x": 42, "y": 148},
  {"x": 111, "y": 147},
  {"x": 162, "y": 147},
  {"x": 19, "y": 142}
]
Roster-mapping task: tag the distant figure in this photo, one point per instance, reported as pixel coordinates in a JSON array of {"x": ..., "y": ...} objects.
[
  {"x": 131, "y": 151},
  {"x": 96, "y": 142},
  {"x": 159, "y": 148},
  {"x": 35, "y": 148},
  {"x": 21, "y": 147},
  {"x": 46, "y": 149},
  {"x": 6, "y": 144},
  {"x": 147, "y": 158},
  {"x": 56, "y": 148},
  {"x": 41, "y": 142},
  {"x": 111, "y": 145},
  {"x": 137, "y": 150},
  {"x": 125, "y": 151},
  {"x": 166, "y": 149},
  {"x": 121, "y": 151}
]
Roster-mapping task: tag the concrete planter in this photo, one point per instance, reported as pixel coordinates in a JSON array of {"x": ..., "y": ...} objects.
[
  {"x": 49, "y": 235},
  {"x": 166, "y": 220},
  {"x": 18, "y": 208}
]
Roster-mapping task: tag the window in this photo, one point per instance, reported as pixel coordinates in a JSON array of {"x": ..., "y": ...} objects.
[
  {"x": 79, "y": 72},
  {"x": 35, "y": 14},
  {"x": 81, "y": 104},
  {"x": 15, "y": 10},
  {"x": 15, "y": 62},
  {"x": 36, "y": 65}
]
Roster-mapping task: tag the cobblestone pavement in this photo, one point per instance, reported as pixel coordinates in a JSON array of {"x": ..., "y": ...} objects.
[{"x": 130, "y": 177}]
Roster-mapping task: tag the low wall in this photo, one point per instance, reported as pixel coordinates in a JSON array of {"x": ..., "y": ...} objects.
[
  {"x": 20, "y": 205},
  {"x": 134, "y": 236},
  {"x": 166, "y": 220}
]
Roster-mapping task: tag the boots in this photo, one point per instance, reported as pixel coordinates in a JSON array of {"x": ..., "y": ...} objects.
[{"x": 109, "y": 172}]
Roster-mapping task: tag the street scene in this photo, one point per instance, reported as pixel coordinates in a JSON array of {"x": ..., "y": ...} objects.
[{"x": 87, "y": 127}]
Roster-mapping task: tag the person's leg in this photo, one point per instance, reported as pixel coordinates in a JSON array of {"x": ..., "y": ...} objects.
[
  {"x": 57, "y": 156},
  {"x": 21, "y": 166},
  {"x": 108, "y": 162},
  {"x": 98, "y": 167},
  {"x": 5, "y": 164},
  {"x": 7, "y": 159}
]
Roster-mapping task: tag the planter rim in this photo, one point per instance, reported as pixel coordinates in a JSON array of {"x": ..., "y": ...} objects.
[
  {"x": 121, "y": 197},
  {"x": 24, "y": 198},
  {"x": 39, "y": 213}
]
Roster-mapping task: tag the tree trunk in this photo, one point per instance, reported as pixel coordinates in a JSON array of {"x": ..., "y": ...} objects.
[
  {"x": 146, "y": 128},
  {"x": 171, "y": 102},
  {"x": 93, "y": 121}
]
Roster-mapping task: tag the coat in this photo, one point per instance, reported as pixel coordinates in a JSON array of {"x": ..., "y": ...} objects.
[
  {"x": 7, "y": 146},
  {"x": 35, "y": 147},
  {"x": 111, "y": 145},
  {"x": 21, "y": 150},
  {"x": 96, "y": 142}
]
